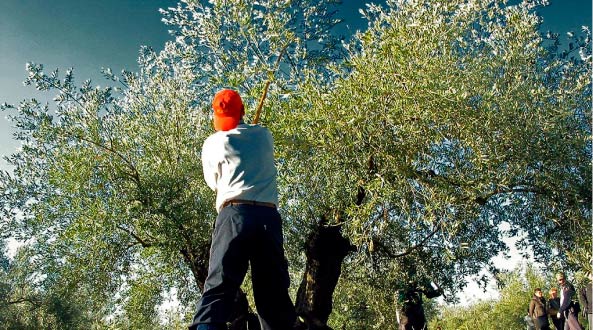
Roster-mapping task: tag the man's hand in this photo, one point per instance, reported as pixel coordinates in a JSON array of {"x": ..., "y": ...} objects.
[{"x": 558, "y": 315}]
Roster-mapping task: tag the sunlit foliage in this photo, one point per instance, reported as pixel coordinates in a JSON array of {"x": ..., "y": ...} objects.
[{"x": 420, "y": 137}]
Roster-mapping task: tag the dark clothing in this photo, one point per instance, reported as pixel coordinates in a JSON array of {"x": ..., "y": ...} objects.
[
  {"x": 243, "y": 235},
  {"x": 566, "y": 297},
  {"x": 542, "y": 323},
  {"x": 567, "y": 308},
  {"x": 553, "y": 307},
  {"x": 211, "y": 327},
  {"x": 411, "y": 314},
  {"x": 537, "y": 307},
  {"x": 558, "y": 323},
  {"x": 537, "y": 311}
]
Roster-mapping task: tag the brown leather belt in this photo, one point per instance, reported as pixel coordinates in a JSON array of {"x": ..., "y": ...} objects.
[{"x": 246, "y": 202}]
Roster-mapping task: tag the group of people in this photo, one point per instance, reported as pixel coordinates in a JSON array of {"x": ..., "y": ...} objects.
[{"x": 561, "y": 307}]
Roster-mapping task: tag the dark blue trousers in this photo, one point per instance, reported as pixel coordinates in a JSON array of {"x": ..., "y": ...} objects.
[{"x": 243, "y": 235}]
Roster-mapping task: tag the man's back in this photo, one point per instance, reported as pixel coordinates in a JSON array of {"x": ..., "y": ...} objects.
[{"x": 239, "y": 164}]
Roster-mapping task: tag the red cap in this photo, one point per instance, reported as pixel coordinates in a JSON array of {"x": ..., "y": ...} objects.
[{"x": 228, "y": 109}]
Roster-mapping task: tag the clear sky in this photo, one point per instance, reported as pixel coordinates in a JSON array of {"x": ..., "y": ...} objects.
[{"x": 90, "y": 34}]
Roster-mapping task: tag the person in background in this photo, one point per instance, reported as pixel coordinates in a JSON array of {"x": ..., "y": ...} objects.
[
  {"x": 410, "y": 314},
  {"x": 553, "y": 307},
  {"x": 568, "y": 309},
  {"x": 585, "y": 298},
  {"x": 538, "y": 311},
  {"x": 238, "y": 163}
]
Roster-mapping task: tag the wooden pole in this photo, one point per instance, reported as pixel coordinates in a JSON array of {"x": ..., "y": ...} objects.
[{"x": 267, "y": 86}]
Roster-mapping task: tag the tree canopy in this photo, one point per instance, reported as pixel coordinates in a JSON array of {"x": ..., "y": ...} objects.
[{"x": 418, "y": 139}]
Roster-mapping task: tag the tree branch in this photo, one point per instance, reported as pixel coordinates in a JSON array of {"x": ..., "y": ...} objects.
[
  {"x": 134, "y": 175},
  {"x": 141, "y": 241},
  {"x": 409, "y": 250},
  {"x": 482, "y": 199},
  {"x": 23, "y": 300}
]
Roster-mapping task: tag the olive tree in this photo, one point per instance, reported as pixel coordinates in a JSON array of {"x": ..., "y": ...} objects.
[
  {"x": 108, "y": 184},
  {"x": 452, "y": 118},
  {"x": 28, "y": 302},
  {"x": 397, "y": 164}
]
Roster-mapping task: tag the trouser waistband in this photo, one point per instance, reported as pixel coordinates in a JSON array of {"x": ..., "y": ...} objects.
[{"x": 247, "y": 202}]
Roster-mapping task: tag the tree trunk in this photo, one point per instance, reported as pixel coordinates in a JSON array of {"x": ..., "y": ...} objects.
[
  {"x": 242, "y": 318},
  {"x": 197, "y": 259},
  {"x": 325, "y": 251}
]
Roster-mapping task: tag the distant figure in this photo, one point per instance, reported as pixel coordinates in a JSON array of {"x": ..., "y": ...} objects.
[
  {"x": 411, "y": 314},
  {"x": 585, "y": 298},
  {"x": 538, "y": 311},
  {"x": 553, "y": 307},
  {"x": 568, "y": 308}
]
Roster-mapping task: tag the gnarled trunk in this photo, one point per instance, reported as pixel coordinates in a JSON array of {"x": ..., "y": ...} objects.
[{"x": 325, "y": 251}]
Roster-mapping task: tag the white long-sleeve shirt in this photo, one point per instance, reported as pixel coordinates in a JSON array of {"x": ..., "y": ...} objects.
[{"x": 239, "y": 164}]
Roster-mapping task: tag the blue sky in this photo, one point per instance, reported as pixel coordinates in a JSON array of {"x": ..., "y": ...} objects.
[{"x": 91, "y": 34}]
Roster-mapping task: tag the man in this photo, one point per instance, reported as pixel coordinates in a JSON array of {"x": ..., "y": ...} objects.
[
  {"x": 553, "y": 307},
  {"x": 238, "y": 164},
  {"x": 586, "y": 298},
  {"x": 410, "y": 314},
  {"x": 567, "y": 306},
  {"x": 538, "y": 311}
]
